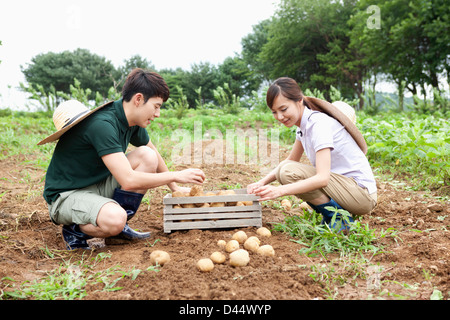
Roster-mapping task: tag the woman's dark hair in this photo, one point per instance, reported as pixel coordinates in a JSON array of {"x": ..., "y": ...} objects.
[
  {"x": 288, "y": 87},
  {"x": 150, "y": 84}
]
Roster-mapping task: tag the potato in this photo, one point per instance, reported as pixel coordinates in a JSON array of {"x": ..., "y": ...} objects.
[
  {"x": 240, "y": 204},
  {"x": 226, "y": 193},
  {"x": 177, "y": 206},
  {"x": 254, "y": 238},
  {"x": 263, "y": 232},
  {"x": 217, "y": 257},
  {"x": 205, "y": 265},
  {"x": 247, "y": 203},
  {"x": 177, "y": 194},
  {"x": 239, "y": 258},
  {"x": 286, "y": 204},
  {"x": 230, "y": 192},
  {"x": 251, "y": 244},
  {"x": 159, "y": 257},
  {"x": 240, "y": 236},
  {"x": 266, "y": 250},
  {"x": 232, "y": 245},
  {"x": 305, "y": 205},
  {"x": 196, "y": 191},
  {"x": 217, "y": 204},
  {"x": 222, "y": 244}
]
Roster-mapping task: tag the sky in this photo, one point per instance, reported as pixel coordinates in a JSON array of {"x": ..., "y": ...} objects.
[{"x": 168, "y": 33}]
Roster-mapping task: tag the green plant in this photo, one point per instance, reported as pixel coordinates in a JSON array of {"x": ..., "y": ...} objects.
[
  {"x": 226, "y": 99},
  {"x": 180, "y": 105},
  {"x": 69, "y": 281},
  {"x": 317, "y": 238},
  {"x": 414, "y": 145}
]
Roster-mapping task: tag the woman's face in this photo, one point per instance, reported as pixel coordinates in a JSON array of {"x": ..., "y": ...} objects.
[{"x": 286, "y": 111}]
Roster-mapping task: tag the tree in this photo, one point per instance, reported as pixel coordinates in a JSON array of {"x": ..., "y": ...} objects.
[
  {"x": 308, "y": 41},
  {"x": 59, "y": 70},
  {"x": 204, "y": 75},
  {"x": 135, "y": 61},
  {"x": 411, "y": 45},
  {"x": 174, "y": 80},
  {"x": 240, "y": 79},
  {"x": 252, "y": 45}
]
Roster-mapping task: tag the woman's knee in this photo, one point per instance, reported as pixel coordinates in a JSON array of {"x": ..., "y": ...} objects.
[{"x": 293, "y": 171}]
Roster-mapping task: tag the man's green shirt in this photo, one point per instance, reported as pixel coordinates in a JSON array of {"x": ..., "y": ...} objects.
[{"x": 76, "y": 162}]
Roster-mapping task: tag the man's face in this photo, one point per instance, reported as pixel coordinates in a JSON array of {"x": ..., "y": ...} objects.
[{"x": 148, "y": 111}]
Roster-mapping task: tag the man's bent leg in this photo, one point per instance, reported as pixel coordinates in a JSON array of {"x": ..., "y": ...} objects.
[
  {"x": 142, "y": 159},
  {"x": 130, "y": 202},
  {"x": 111, "y": 220}
]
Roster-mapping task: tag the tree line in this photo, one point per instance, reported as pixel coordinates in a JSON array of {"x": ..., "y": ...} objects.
[{"x": 323, "y": 44}]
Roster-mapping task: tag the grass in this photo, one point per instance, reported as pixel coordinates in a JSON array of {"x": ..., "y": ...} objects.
[
  {"x": 404, "y": 144},
  {"x": 320, "y": 239},
  {"x": 69, "y": 281}
]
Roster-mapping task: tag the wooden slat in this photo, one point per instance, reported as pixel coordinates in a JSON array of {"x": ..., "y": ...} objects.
[
  {"x": 170, "y": 210},
  {"x": 203, "y": 199},
  {"x": 170, "y": 226},
  {"x": 210, "y": 216}
]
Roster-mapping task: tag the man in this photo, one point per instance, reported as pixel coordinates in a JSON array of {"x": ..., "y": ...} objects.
[{"x": 92, "y": 186}]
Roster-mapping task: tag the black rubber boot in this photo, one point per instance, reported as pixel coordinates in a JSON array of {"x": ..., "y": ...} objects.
[
  {"x": 328, "y": 215},
  {"x": 74, "y": 238},
  {"x": 130, "y": 201}
]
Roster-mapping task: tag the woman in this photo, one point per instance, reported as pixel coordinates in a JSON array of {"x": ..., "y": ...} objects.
[{"x": 340, "y": 175}]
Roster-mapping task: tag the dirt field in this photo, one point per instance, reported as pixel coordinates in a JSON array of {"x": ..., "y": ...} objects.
[{"x": 410, "y": 268}]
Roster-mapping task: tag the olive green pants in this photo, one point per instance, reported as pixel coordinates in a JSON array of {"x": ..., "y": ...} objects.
[
  {"x": 345, "y": 191},
  {"x": 82, "y": 206}
]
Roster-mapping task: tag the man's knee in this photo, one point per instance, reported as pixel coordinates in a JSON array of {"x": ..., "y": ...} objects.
[
  {"x": 146, "y": 158},
  {"x": 112, "y": 218}
]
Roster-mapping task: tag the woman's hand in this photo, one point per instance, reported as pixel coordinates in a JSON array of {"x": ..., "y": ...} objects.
[
  {"x": 268, "y": 192},
  {"x": 251, "y": 187}
]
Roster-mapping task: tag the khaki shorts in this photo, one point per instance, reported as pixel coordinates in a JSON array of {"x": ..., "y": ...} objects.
[
  {"x": 82, "y": 206},
  {"x": 344, "y": 190}
]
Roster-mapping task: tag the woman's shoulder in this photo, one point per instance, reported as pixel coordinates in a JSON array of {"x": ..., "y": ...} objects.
[{"x": 317, "y": 117}]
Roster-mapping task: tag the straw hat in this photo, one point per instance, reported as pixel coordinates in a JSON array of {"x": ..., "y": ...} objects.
[
  {"x": 67, "y": 115},
  {"x": 343, "y": 113},
  {"x": 346, "y": 109}
]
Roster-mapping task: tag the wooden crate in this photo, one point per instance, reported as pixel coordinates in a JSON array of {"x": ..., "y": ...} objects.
[{"x": 211, "y": 217}]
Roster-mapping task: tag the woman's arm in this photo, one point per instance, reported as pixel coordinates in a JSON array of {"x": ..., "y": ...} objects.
[
  {"x": 295, "y": 155},
  {"x": 319, "y": 180}
]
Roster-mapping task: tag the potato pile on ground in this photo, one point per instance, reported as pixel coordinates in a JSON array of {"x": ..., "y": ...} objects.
[{"x": 238, "y": 256}]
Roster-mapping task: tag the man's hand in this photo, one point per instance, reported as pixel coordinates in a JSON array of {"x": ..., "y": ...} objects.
[
  {"x": 181, "y": 189},
  {"x": 195, "y": 176}
]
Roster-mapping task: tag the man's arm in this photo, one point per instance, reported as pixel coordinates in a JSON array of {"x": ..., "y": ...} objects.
[
  {"x": 162, "y": 167},
  {"x": 129, "y": 179}
]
